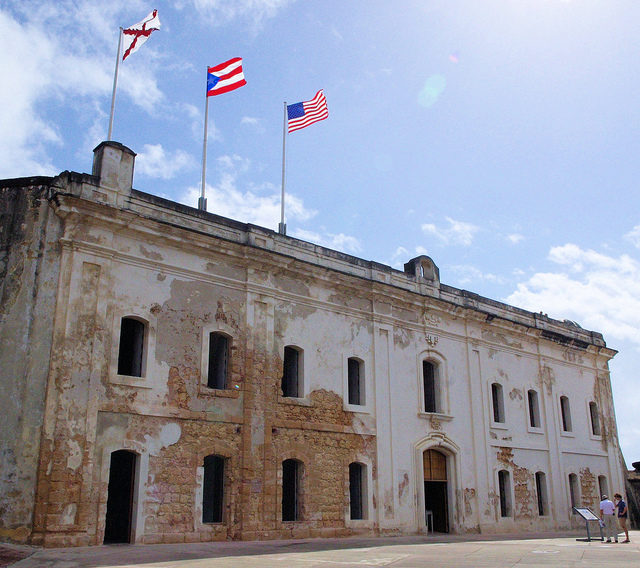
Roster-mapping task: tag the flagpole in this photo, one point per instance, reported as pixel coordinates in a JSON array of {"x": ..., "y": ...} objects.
[
  {"x": 115, "y": 83},
  {"x": 282, "y": 228},
  {"x": 202, "y": 201}
]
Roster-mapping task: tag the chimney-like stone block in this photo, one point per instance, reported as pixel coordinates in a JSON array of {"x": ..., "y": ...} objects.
[{"x": 113, "y": 165}]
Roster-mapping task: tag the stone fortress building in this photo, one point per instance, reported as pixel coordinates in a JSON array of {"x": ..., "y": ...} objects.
[{"x": 170, "y": 375}]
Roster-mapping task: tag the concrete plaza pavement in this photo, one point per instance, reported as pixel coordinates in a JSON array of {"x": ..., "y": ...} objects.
[{"x": 443, "y": 551}]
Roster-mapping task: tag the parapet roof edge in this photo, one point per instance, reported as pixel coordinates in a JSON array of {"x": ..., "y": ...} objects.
[{"x": 540, "y": 319}]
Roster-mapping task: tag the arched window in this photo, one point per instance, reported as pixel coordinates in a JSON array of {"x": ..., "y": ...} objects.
[
  {"x": 595, "y": 419},
  {"x": 603, "y": 485},
  {"x": 357, "y": 490},
  {"x": 574, "y": 490},
  {"x": 541, "y": 492},
  {"x": 131, "y": 347},
  {"x": 431, "y": 387},
  {"x": 534, "y": 409},
  {"x": 504, "y": 487},
  {"x": 565, "y": 411},
  {"x": 292, "y": 372},
  {"x": 355, "y": 372},
  {"x": 213, "y": 489},
  {"x": 291, "y": 489},
  {"x": 497, "y": 402},
  {"x": 219, "y": 360}
]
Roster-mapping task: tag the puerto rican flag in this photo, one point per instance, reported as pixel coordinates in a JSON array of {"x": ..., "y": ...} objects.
[
  {"x": 135, "y": 35},
  {"x": 225, "y": 77}
]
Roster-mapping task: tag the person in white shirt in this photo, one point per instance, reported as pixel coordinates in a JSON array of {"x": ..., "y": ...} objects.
[{"x": 607, "y": 510}]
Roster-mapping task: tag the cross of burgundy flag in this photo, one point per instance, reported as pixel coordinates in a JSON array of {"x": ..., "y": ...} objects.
[{"x": 135, "y": 35}]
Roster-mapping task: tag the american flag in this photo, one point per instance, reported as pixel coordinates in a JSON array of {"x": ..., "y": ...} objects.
[{"x": 301, "y": 115}]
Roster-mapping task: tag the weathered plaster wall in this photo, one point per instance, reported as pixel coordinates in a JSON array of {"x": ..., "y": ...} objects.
[
  {"x": 185, "y": 274},
  {"x": 29, "y": 258}
]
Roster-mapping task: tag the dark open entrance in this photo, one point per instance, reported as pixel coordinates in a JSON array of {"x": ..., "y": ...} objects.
[
  {"x": 435, "y": 489},
  {"x": 120, "y": 497},
  {"x": 291, "y": 472}
]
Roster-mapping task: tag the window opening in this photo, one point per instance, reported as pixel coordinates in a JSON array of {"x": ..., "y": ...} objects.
[
  {"x": 603, "y": 485},
  {"x": 541, "y": 490},
  {"x": 595, "y": 419},
  {"x": 131, "y": 349},
  {"x": 573, "y": 490},
  {"x": 566, "y": 414},
  {"x": 291, "y": 477},
  {"x": 218, "y": 361},
  {"x": 429, "y": 382},
  {"x": 534, "y": 409},
  {"x": 504, "y": 485},
  {"x": 291, "y": 372},
  {"x": 356, "y": 490},
  {"x": 213, "y": 489},
  {"x": 498, "y": 402},
  {"x": 354, "y": 368}
]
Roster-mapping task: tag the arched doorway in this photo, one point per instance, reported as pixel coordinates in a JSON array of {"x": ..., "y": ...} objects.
[
  {"x": 435, "y": 489},
  {"x": 122, "y": 473}
]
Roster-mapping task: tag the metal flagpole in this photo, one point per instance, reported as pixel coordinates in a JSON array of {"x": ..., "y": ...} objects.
[
  {"x": 115, "y": 83},
  {"x": 282, "y": 227},
  {"x": 202, "y": 201}
]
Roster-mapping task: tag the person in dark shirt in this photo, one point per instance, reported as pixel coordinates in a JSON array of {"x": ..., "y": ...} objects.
[{"x": 623, "y": 514}]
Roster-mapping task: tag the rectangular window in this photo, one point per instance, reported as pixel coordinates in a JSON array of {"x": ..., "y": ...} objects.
[
  {"x": 356, "y": 490},
  {"x": 218, "y": 361},
  {"x": 291, "y": 372},
  {"x": 131, "y": 348},
  {"x": 429, "y": 382},
  {"x": 213, "y": 490},
  {"x": 291, "y": 473},
  {"x": 355, "y": 386}
]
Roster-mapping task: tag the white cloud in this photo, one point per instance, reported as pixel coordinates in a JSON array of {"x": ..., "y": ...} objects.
[
  {"x": 458, "y": 232},
  {"x": 600, "y": 292},
  {"x": 155, "y": 162},
  {"x": 515, "y": 238},
  {"x": 341, "y": 242},
  {"x": 62, "y": 51},
  {"x": 249, "y": 120},
  {"x": 634, "y": 236},
  {"x": 249, "y": 206},
  {"x": 219, "y": 12},
  {"x": 467, "y": 274}
]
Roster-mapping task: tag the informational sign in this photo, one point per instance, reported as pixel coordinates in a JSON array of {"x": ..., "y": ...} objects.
[{"x": 586, "y": 513}]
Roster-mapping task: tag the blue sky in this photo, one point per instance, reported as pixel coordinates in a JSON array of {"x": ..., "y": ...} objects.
[{"x": 499, "y": 137}]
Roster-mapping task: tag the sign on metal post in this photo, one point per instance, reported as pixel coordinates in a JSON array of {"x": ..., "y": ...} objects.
[{"x": 589, "y": 516}]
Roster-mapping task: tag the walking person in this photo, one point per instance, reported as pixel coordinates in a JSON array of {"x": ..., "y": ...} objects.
[
  {"x": 623, "y": 514},
  {"x": 607, "y": 515}
]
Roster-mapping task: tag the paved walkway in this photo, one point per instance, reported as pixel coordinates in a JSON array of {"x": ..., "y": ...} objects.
[{"x": 477, "y": 551}]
